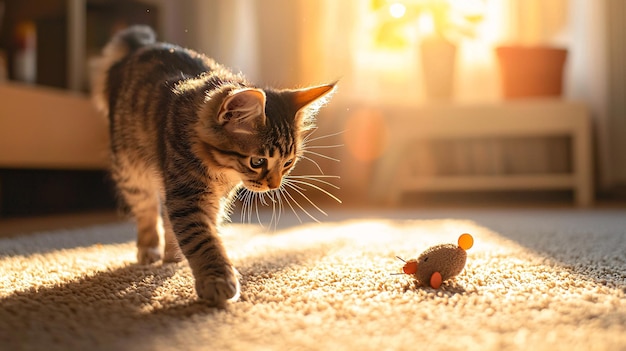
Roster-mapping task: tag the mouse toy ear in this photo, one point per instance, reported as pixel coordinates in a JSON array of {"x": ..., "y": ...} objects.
[
  {"x": 466, "y": 241},
  {"x": 436, "y": 280}
]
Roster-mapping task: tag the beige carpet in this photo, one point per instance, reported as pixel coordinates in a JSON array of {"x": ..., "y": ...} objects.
[{"x": 538, "y": 280}]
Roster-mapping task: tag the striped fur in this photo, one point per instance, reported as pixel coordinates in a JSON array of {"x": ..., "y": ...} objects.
[{"x": 186, "y": 133}]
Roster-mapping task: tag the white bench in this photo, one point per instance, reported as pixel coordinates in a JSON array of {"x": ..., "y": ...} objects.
[{"x": 510, "y": 119}]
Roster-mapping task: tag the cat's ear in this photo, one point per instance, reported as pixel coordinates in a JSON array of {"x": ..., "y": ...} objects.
[
  {"x": 243, "y": 110},
  {"x": 302, "y": 98}
]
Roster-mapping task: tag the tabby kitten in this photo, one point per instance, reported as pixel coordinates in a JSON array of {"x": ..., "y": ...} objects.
[{"x": 186, "y": 134}]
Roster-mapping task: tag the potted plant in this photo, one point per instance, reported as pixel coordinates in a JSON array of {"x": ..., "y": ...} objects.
[
  {"x": 442, "y": 24},
  {"x": 530, "y": 66},
  {"x": 435, "y": 26}
]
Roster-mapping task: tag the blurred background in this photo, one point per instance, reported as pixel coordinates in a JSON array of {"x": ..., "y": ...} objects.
[{"x": 439, "y": 101}]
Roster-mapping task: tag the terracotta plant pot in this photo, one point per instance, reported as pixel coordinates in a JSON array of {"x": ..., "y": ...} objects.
[{"x": 531, "y": 71}]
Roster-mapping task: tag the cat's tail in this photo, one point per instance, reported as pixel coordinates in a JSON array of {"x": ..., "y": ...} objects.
[{"x": 122, "y": 44}]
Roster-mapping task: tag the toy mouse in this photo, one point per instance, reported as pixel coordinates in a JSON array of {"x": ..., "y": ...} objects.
[{"x": 439, "y": 263}]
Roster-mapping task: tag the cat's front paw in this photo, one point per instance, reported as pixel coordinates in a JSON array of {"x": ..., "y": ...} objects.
[
  {"x": 216, "y": 289},
  {"x": 148, "y": 255}
]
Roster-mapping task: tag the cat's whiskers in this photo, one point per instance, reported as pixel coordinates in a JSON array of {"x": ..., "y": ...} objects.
[
  {"x": 324, "y": 191},
  {"x": 322, "y": 146},
  {"x": 251, "y": 201},
  {"x": 307, "y": 147},
  {"x": 280, "y": 209},
  {"x": 256, "y": 208},
  {"x": 314, "y": 162},
  {"x": 262, "y": 199},
  {"x": 276, "y": 214},
  {"x": 320, "y": 155},
  {"x": 307, "y": 139},
  {"x": 316, "y": 178},
  {"x": 301, "y": 191},
  {"x": 245, "y": 197},
  {"x": 298, "y": 204}
]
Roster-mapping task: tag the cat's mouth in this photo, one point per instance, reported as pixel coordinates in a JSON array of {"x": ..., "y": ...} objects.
[
  {"x": 256, "y": 186},
  {"x": 259, "y": 187}
]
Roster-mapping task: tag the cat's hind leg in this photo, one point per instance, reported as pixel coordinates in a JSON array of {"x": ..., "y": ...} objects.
[
  {"x": 172, "y": 251},
  {"x": 138, "y": 190}
]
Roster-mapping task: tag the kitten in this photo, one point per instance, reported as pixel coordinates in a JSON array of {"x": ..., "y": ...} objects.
[{"x": 186, "y": 134}]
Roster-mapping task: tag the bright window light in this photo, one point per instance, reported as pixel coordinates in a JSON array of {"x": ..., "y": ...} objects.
[{"x": 397, "y": 10}]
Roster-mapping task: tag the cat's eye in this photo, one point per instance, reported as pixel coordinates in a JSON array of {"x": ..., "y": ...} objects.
[
  {"x": 288, "y": 163},
  {"x": 257, "y": 162}
]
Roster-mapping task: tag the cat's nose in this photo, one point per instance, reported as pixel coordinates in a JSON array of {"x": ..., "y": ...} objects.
[{"x": 273, "y": 182}]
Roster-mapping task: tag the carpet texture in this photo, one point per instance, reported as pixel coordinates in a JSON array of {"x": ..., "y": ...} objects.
[{"x": 535, "y": 281}]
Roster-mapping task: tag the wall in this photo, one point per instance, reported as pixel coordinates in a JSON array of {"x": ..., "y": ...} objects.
[
  {"x": 616, "y": 10},
  {"x": 260, "y": 39},
  {"x": 587, "y": 75},
  {"x": 597, "y": 76}
]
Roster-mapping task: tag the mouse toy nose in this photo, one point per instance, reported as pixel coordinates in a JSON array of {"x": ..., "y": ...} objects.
[{"x": 410, "y": 267}]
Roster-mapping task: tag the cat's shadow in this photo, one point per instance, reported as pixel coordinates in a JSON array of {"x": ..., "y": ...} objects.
[
  {"x": 252, "y": 272},
  {"x": 131, "y": 293}
]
